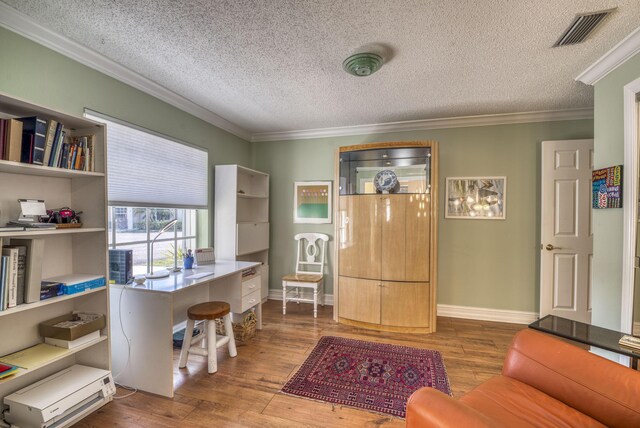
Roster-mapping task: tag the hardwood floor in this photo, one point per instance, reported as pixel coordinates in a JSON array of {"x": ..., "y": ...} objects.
[{"x": 245, "y": 391}]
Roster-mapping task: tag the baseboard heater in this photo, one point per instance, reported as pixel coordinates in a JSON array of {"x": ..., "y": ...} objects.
[{"x": 61, "y": 399}]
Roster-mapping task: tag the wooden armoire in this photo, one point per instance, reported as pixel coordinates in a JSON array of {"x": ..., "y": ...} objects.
[{"x": 386, "y": 240}]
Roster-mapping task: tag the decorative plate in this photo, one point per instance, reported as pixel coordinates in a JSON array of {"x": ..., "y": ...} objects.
[{"x": 385, "y": 180}]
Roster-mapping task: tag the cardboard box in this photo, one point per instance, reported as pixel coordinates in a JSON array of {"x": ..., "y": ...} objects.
[{"x": 49, "y": 328}]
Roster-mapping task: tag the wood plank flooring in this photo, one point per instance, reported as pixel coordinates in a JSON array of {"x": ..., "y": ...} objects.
[{"x": 245, "y": 391}]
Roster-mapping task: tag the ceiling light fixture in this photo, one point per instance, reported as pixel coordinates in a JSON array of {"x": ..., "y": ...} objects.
[{"x": 362, "y": 64}]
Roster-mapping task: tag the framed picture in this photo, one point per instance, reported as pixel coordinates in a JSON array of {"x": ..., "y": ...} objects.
[
  {"x": 476, "y": 198},
  {"x": 312, "y": 202},
  {"x": 607, "y": 187}
]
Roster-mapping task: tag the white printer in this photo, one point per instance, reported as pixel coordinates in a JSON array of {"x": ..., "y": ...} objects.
[{"x": 60, "y": 399}]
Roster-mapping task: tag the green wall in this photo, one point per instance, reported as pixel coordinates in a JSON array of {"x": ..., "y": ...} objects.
[
  {"x": 607, "y": 224},
  {"x": 34, "y": 73},
  {"x": 490, "y": 264}
]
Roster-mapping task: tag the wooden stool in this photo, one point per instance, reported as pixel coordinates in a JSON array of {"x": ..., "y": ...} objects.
[{"x": 208, "y": 312}]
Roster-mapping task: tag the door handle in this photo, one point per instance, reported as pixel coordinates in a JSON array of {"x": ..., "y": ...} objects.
[{"x": 550, "y": 247}]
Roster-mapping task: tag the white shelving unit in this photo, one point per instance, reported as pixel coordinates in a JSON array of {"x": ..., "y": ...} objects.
[
  {"x": 82, "y": 250},
  {"x": 242, "y": 217}
]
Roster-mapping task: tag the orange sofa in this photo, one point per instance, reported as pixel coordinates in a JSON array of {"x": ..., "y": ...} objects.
[{"x": 545, "y": 382}]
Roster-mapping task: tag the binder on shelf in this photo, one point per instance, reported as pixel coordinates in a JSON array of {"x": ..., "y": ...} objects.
[
  {"x": 34, "y": 131},
  {"x": 57, "y": 145},
  {"x": 11, "y": 287},
  {"x": 33, "y": 267},
  {"x": 13, "y": 140}
]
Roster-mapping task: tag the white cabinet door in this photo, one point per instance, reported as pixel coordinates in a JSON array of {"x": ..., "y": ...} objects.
[{"x": 252, "y": 237}]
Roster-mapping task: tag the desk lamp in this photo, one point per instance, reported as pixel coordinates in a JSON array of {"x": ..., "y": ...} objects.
[{"x": 164, "y": 273}]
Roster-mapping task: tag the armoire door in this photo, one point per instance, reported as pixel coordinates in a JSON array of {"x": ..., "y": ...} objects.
[
  {"x": 359, "y": 299},
  {"x": 392, "y": 213},
  {"x": 405, "y": 304},
  {"x": 359, "y": 236},
  {"x": 418, "y": 224}
]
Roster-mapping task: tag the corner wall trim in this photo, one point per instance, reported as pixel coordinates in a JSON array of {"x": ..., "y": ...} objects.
[
  {"x": 25, "y": 26},
  {"x": 466, "y": 312},
  {"x": 608, "y": 62}
]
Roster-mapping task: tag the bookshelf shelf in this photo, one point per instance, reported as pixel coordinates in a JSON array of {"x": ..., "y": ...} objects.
[
  {"x": 53, "y": 300},
  {"x": 63, "y": 354},
  {"x": 38, "y": 233},
  {"x": 46, "y": 171}
]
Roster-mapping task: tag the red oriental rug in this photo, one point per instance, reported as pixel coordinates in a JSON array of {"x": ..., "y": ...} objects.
[{"x": 367, "y": 375}]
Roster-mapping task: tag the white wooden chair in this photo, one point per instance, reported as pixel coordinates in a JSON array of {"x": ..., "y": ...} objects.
[{"x": 312, "y": 248}]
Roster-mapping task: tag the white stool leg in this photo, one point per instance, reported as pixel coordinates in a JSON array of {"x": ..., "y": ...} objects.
[
  {"x": 212, "y": 358},
  {"x": 315, "y": 301},
  {"x": 186, "y": 343},
  {"x": 228, "y": 329},
  {"x": 322, "y": 292},
  {"x": 284, "y": 297}
]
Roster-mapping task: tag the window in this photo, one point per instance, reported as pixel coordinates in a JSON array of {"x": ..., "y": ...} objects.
[
  {"x": 151, "y": 180},
  {"x": 133, "y": 228}
]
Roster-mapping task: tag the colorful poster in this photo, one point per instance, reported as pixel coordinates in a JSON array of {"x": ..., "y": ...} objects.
[{"x": 607, "y": 187}]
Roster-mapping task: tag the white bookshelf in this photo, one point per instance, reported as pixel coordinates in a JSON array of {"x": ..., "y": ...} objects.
[
  {"x": 66, "y": 251},
  {"x": 241, "y": 229}
]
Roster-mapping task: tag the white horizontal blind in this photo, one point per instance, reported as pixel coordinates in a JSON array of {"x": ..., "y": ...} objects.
[{"x": 146, "y": 169}]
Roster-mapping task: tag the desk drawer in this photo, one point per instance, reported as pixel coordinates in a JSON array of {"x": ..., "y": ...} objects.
[
  {"x": 251, "y": 285},
  {"x": 251, "y": 300}
]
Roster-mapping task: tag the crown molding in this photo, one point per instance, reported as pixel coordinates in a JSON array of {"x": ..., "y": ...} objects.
[
  {"x": 25, "y": 26},
  {"x": 426, "y": 124},
  {"x": 608, "y": 62}
]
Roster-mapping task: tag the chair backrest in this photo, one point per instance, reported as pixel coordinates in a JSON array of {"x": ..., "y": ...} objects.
[{"x": 312, "y": 248}]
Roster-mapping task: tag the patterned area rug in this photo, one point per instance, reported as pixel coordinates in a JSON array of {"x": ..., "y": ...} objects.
[{"x": 367, "y": 375}]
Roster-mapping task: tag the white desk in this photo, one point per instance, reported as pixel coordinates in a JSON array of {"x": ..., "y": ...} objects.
[{"x": 150, "y": 313}]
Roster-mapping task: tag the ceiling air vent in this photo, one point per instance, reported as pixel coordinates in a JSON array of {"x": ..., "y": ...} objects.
[{"x": 581, "y": 27}]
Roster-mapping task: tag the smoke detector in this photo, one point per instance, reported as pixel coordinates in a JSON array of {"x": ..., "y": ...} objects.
[{"x": 362, "y": 64}]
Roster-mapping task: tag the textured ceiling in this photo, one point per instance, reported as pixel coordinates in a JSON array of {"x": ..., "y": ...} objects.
[{"x": 276, "y": 65}]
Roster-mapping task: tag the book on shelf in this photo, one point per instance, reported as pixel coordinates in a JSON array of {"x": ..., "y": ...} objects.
[
  {"x": 57, "y": 145},
  {"x": 11, "y": 228},
  {"x": 11, "y": 286},
  {"x": 77, "y": 283},
  {"x": 630, "y": 341},
  {"x": 13, "y": 140},
  {"x": 34, "y": 130},
  {"x": 33, "y": 266},
  {"x": 22, "y": 263},
  {"x": 51, "y": 133},
  {"x": 4, "y": 278}
]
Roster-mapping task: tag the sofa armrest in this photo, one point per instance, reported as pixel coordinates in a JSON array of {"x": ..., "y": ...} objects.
[
  {"x": 595, "y": 386},
  {"x": 428, "y": 407}
]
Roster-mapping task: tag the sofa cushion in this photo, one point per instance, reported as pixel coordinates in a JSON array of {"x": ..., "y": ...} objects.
[
  {"x": 593, "y": 385},
  {"x": 514, "y": 403}
]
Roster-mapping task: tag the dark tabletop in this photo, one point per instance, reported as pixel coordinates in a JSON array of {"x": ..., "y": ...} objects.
[{"x": 584, "y": 333}]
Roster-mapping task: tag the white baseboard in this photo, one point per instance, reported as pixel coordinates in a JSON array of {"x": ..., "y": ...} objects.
[
  {"x": 466, "y": 312},
  {"x": 486, "y": 314}
]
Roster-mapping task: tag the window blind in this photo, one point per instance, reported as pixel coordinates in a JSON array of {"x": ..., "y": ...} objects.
[{"x": 148, "y": 170}]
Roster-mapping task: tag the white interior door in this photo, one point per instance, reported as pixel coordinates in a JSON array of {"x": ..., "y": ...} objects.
[{"x": 567, "y": 238}]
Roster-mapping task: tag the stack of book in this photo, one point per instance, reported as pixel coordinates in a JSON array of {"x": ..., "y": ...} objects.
[
  {"x": 630, "y": 342},
  {"x": 7, "y": 370},
  {"x": 20, "y": 271},
  {"x": 37, "y": 141}
]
